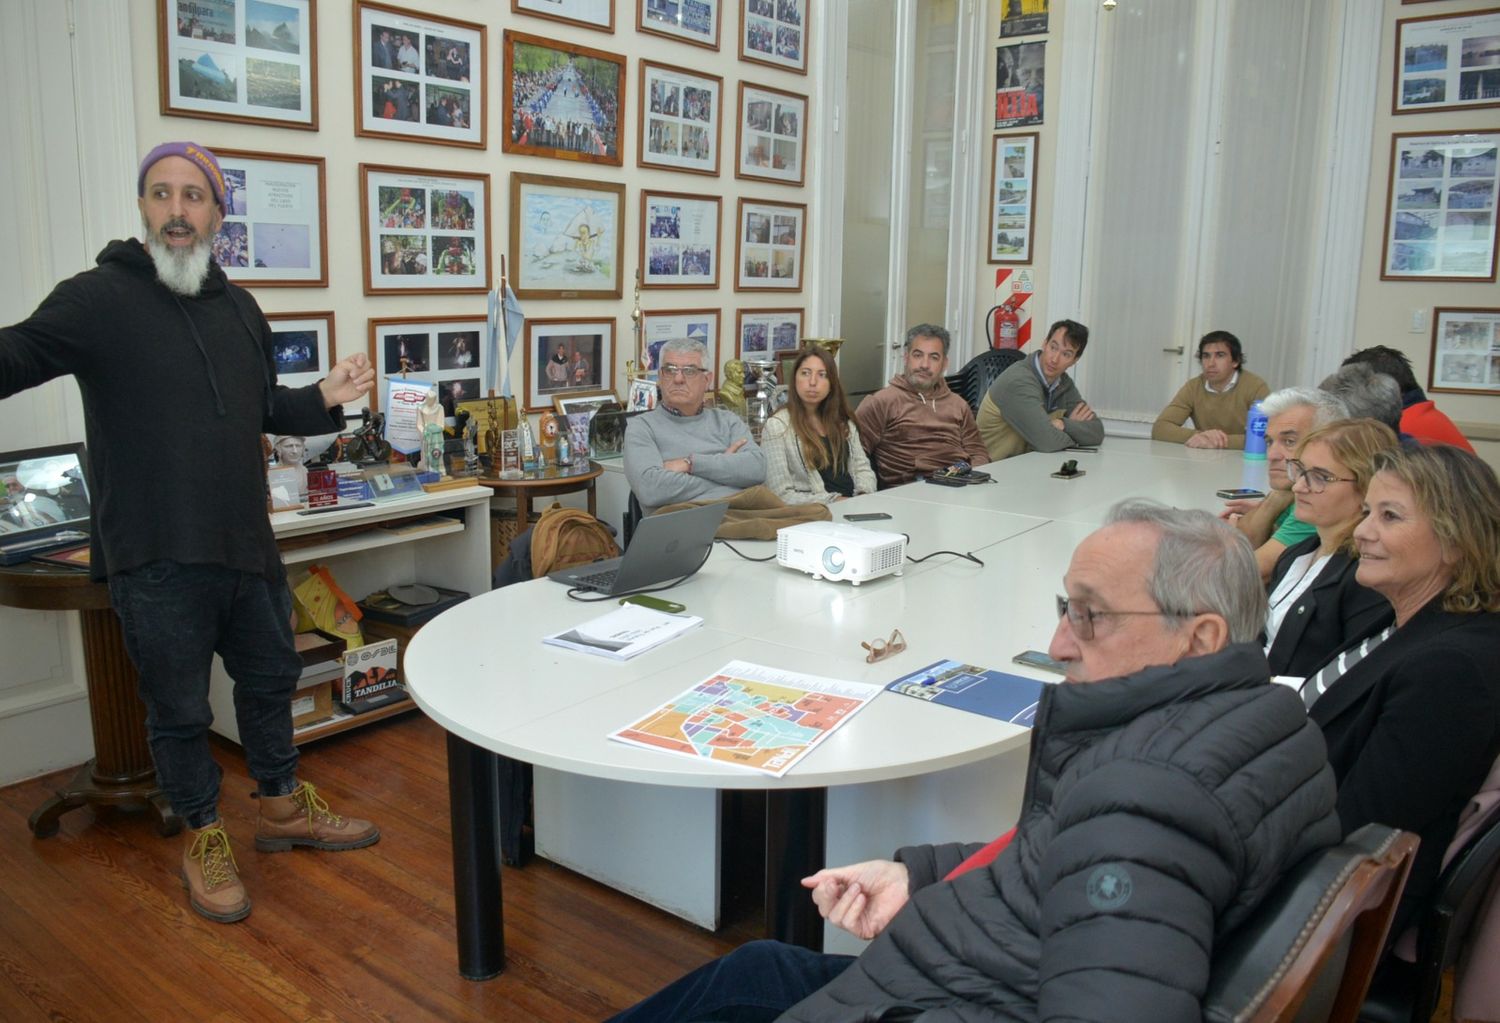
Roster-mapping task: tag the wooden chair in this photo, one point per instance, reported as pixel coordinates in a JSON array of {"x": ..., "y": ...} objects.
[{"x": 1309, "y": 950}]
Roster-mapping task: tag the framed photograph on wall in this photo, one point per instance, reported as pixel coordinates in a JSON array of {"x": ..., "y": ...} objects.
[
  {"x": 254, "y": 61},
  {"x": 1447, "y": 62},
  {"x": 768, "y": 247},
  {"x": 679, "y": 239},
  {"x": 660, "y": 326},
  {"x": 1023, "y": 18},
  {"x": 424, "y": 231},
  {"x": 275, "y": 233},
  {"x": 764, "y": 335},
  {"x": 418, "y": 78},
  {"x": 774, "y": 32},
  {"x": 678, "y": 127},
  {"x": 302, "y": 345},
  {"x": 567, "y": 237},
  {"x": 444, "y": 351},
  {"x": 1440, "y": 207},
  {"x": 690, "y": 21},
  {"x": 771, "y": 140},
  {"x": 1020, "y": 79},
  {"x": 1013, "y": 198},
  {"x": 568, "y": 357},
  {"x": 595, "y": 14},
  {"x": 1465, "y": 351},
  {"x": 562, "y": 100}
]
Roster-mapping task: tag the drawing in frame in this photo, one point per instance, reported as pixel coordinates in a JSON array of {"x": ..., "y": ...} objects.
[
  {"x": 688, "y": 21},
  {"x": 680, "y": 236},
  {"x": 1465, "y": 357},
  {"x": 568, "y": 358},
  {"x": 771, "y": 137},
  {"x": 658, "y": 326},
  {"x": 1440, "y": 207},
  {"x": 562, "y": 100},
  {"x": 302, "y": 346},
  {"x": 567, "y": 237},
  {"x": 441, "y": 350},
  {"x": 595, "y": 14},
  {"x": 764, "y": 335},
  {"x": 424, "y": 231},
  {"x": 1013, "y": 198},
  {"x": 769, "y": 242},
  {"x": 254, "y": 61},
  {"x": 1447, "y": 62},
  {"x": 774, "y": 32},
  {"x": 418, "y": 77},
  {"x": 679, "y": 122},
  {"x": 276, "y": 231}
]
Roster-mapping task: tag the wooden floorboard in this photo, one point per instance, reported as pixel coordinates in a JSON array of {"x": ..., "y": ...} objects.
[{"x": 94, "y": 923}]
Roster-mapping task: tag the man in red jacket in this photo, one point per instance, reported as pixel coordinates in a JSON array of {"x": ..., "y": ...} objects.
[{"x": 1419, "y": 416}]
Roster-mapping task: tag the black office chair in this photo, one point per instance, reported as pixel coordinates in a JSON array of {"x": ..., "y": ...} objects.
[
  {"x": 1409, "y": 991},
  {"x": 974, "y": 380},
  {"x": 633, "y": 515}
]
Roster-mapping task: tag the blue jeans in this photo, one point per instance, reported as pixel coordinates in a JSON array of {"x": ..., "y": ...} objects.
[
  {"x": 753, "y": 984},
  {"x": 175, "y": 617}
]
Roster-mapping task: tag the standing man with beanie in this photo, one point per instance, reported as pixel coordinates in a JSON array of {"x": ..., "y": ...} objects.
[{"x": 162, "y": 344}]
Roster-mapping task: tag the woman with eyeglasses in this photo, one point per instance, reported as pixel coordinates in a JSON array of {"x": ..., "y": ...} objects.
[
  {"x": 1317, "y": 606},
  {"x": 813, "y": 453}
]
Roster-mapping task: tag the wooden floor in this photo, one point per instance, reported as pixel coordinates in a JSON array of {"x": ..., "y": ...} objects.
[{"x": 94, "y": 924}]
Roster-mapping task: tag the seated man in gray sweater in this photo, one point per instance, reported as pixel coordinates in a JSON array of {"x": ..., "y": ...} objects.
[
  {"x": 681, "y": 451},
  {"x": 1035, "y": 406}
]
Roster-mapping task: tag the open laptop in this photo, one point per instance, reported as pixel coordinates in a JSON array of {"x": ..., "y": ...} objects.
[{"x": 663, "y": 548}]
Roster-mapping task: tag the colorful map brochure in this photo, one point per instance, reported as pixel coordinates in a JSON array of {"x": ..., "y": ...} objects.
[
  {"x": 995, "y": 694},
  {"x": 621, "y": 635},
  {"x": 750, "y": 716}
]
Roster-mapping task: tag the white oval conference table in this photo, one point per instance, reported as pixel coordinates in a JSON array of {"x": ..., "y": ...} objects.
[{"x": 901, "y": 770}]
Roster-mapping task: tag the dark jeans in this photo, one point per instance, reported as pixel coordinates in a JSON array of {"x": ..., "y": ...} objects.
[
  {"x": 175, "y": 618},
  {"x": 753, "y": 984}
]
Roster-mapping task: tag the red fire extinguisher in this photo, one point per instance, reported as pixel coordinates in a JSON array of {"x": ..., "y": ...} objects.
[{"x": 1008, "y": 326}]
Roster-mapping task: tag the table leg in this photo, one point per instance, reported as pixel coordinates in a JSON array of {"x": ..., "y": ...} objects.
[
  {"x": 593, "y": 500},
  {"x": 472, "y": 806},
  {"x": 796, "y": 831}
]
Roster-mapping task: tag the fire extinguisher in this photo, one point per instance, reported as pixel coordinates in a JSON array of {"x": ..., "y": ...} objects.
[{"x": 1008, "y": 323}]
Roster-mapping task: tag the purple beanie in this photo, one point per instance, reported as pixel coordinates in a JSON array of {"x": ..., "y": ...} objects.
[{"x": 195, "y": 154}]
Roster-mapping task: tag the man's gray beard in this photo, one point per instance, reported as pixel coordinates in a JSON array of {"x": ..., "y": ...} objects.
[{"x": 181, "y": 270}]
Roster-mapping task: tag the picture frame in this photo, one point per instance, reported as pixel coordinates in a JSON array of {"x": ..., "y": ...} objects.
[
  {"x": 571, "y": 404},
  {"x": 774, "y": 32},
  {"x": 567, "y": 237},
  {"x": 1013, "y": 197},
  {"x": 428, "y": 345},
  {"x": 425, "y": 232},
  {"x": 764, "y": 335},
  {"x": 689, "y": 21},
  {"x": 771, "y": 136},
  {"x": 254, "y": 62},
  {"x": 1447, "y": 62},
  {"x": 642, "y": 395},
  {"x": 544, "y": 95},
  {"x": 680, "y": 236},
  {"x": 419, "y": 77},
  {"x": 662, "y": 325},
  {"x": 768, "y": 245},
  {"x": 587, "y": 366},
  {"x": 598, "y": 15},
  {"x": 303, "y": 347},
  {"x": 1441, "y": 206},
  {"x": 1025, "y": 18},
  {"x": 276, "y": 231},
  {"x": 679, "y": 123},
  {"x": 1020, "y": 80},
  {"x": 1465, "y": 355}
]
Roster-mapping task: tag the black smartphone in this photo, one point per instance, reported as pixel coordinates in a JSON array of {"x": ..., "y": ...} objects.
[
  {"x": 1037, "y": 659},
  {"x": 1231, "y": 493},
  {"x": 866, "y": 516},
  {"x": 946, "y": 481}
]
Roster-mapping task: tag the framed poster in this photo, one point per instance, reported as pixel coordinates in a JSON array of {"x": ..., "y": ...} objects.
[
  {"x": 562, "y": 100},
  {"x": 660, "y": 326},
  {"x": 424, "y": 231},
  {"x": 567, "y": 237},
  {"x": 641, "y": 396},
  {"x": 763, "y": 335},
  {"x": 678, "y": 127},
  {"x": 1440, "y": 207},
  {"x": 587, "y": 404},
  {"x": 691, "y": 21},
  {"x": 239, "y": 60},
  {"x": 1023, "y": 18},
  {"x": 568, "y": 357},
  {"x": 595, "y": 14},
  {"x": 275, "y": 233},
  {"x": 302, "y": 345},
  {"x": 444, "y": 351},
  {"x": 1020, "y": 77},
  {"x": 679, "y": 240},
  {"x": 769, "y": 239},
  {"x": 1465, "y": 351},
  {"x": 774, "y": 32},
  {"x": 771, "y": 140},
  {"x": 1447, "y": 62},
  {"x": 418, "y": 78},
  {"x": 1013, "y": 198}
]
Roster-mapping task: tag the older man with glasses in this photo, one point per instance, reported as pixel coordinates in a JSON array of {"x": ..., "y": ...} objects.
[{"x": 681, "y": 450}]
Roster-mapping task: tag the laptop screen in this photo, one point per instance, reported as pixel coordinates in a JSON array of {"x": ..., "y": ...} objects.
[{"x": 42, "y": 492}]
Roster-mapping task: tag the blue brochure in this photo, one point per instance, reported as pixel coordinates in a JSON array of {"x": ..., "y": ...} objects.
[{"x": 995, "y": 694}]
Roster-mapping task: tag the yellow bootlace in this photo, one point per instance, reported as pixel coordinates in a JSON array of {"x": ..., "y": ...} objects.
[
  {"x": 316, "y": 806},
  {"x": 211, "y": 849}
]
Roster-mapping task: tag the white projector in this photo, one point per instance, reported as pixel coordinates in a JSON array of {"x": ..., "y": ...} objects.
[{"x": 832, "y": 550}]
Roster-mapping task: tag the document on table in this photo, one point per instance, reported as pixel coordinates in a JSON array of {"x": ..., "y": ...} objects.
[
  {"x": 995, "y": 694},
  {"x": 625, "y": 633}
]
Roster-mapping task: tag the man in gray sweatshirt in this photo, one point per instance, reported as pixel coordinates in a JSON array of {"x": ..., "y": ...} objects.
[{"x": 1035, "y": 406}]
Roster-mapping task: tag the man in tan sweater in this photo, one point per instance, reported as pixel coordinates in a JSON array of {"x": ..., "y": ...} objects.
[{"x": 1217, "y": 400}]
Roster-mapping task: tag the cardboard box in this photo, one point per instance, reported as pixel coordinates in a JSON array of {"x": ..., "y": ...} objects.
[{"x": 312, "y": 703}]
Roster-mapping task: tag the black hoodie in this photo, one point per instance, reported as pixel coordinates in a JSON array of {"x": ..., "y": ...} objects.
[{"x": 177, "y": 391}]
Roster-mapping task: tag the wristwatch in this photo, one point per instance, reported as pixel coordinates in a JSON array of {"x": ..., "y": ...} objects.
[{"x": 690, "y": 464}]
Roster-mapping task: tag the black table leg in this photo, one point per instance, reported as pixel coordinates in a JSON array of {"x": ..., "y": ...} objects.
[
  {"x": 473, "y": 807},
  {"x": 796, "y": 832}
]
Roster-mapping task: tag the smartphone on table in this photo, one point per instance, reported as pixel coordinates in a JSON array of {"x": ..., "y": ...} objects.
[
  {"x": 671, "y": 607},
  {"x": 866, "y": 516},
  {"x": 1238, "y": 493},
  {"x": 1037, "y": 659}
]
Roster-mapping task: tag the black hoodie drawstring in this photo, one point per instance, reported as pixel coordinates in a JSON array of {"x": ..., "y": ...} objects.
[{"x": 213, "y": 381}]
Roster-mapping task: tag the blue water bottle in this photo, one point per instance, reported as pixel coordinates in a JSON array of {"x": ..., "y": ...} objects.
[{"x": 1255, "y": 434}]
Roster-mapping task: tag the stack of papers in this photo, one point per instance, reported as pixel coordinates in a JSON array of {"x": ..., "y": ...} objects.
[{"x": 626, "y": 633}]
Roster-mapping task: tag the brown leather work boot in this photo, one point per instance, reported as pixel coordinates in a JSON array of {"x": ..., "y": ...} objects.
[
  {"x": 303, "y": 818},
  {"x": 211, "y": 877}
]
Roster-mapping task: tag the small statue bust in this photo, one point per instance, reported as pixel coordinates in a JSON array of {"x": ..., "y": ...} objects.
[
  {"x": 290, "y": 449},
  {"x": 732, "y": 393}
]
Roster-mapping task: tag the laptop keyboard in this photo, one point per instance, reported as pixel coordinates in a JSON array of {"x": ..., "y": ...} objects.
[{"x": 597, "y": 581}]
